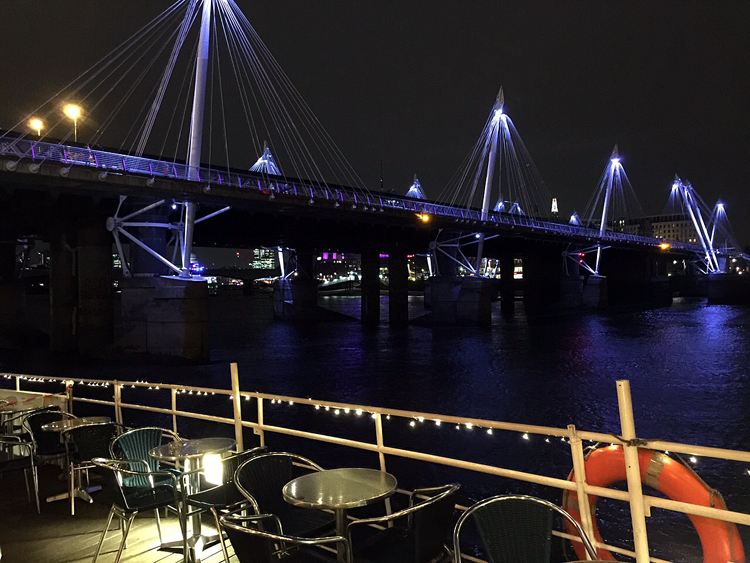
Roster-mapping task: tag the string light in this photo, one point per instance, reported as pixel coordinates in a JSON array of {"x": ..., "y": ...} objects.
[
  {"x": 525, "y": 436},
  {"x": 489, "y": 431},
  {"x": 412, "y": 423},
  {"x": 438, "y": 422}
]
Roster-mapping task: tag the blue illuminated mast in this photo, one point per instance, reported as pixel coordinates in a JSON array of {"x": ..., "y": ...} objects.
[
  {"x": 416, "y": 190},
  {"x": 497, "y": 117},
  {"x": 266, "y": 163},
  {"x": 614, "y": 172},
  {"x": 196, "y": 129}
]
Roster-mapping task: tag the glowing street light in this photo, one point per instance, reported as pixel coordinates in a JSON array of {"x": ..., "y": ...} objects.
[
  {"x": 37, "y": 125},
  {"x": 73, "y": 112}
]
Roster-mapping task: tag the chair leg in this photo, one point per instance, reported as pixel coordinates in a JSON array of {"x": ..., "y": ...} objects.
[
  {"x": 158, "y": 524},
  {"x": 124, "y": 542},
  {"x": 72, "y": 489},
  {"x": 104, "y": 533},
  {"x": 26, "y": 482},
  {"x": 35, "y": 478},
  {"x": 221, "y": 535}
]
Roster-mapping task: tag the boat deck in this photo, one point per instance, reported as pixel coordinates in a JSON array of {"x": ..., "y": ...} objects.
[{"x": 54, "y": 536}]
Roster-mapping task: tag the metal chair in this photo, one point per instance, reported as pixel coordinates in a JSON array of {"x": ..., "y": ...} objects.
[
  {"x": 515, "y": 529},
  {"x": 22, "y": 462},
  {"x": 261, "y": 478},
  {"x": 254, "y": 545},
  {"x": 135, "y": 445},
  {"x": 224, "y": 497},
  {"x": 128, "y": 502},
  {"x": 47, "y": 445},
  {"x": 88, "y": 442},
  {"x": 421, "y": 540}
]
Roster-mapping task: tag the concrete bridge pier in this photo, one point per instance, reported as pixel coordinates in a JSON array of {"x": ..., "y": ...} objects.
[
  {"x": 95, "y": 308},
  {"x": 398, "y": 286},
  {"x": 12, "y": 294},
  {"x": 162, "y": 315},
  {"x": 633, "y": 279},
  {"x": 370, "y": 285},
  {"x": 62, "y": 290},
  {"x": 542, "y": 270},
  {"x": 507, "y": 290}
]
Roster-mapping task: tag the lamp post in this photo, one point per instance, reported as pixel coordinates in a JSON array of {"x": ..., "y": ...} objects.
[
  {"x": 73, "y": 112},
  {"x": 37, "y": 125}
]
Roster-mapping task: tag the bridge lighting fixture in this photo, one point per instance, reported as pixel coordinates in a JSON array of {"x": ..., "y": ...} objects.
[
  {"x": 73, "y": 111},
  {"x": 37, "y": 125},
  {"x": 675, "y": 187},
  {"x": 424, "y": 217},
  {"x": 720, "y": 206},
  {"x": 665, "y": 246}
]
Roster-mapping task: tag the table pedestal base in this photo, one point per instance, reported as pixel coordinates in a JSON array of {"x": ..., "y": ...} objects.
[
  {"x": 196, "y": 545},
  {"x": 82, "y": 494}
]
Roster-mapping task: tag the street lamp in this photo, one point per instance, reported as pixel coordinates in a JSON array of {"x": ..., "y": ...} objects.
[
  {"x": 73, "y": 112},
  {"x": 37, "y": 125}
]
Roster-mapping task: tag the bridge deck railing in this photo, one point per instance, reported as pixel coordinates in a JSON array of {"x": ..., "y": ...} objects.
[
  {"x": 108, "y": 161},
  {"x": 114, "y": 396}
]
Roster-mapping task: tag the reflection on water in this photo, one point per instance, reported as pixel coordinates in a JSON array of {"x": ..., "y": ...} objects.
[{"x": 688, "y": 367}]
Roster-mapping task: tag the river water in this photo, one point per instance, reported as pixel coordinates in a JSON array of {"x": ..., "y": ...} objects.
[{"x": 687, "y": 364}]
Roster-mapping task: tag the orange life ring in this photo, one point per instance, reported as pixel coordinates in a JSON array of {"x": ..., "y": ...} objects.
[{"x": 604, "y": 466}]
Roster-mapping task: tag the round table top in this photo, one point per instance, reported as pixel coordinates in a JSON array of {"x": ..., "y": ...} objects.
[
  {"x": 340, "y": 488},
  {"x": 189, "y": 449},
  {"x": 18, "y": 408},
  {"x": 67, "y": 423}
]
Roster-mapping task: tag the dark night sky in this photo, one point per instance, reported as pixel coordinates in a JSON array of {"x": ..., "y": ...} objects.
[{"x": 412, "y": 82}]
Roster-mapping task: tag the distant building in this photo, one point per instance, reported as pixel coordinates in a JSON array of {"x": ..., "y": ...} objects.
[{"x": 676, "y": 226}]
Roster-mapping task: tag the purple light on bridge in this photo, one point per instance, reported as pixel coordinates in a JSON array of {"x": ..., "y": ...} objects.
[
  {"x": 325, "y": 256},
  {"x": 384, "y": 256}
]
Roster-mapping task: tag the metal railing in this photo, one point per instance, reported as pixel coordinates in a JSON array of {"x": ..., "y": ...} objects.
[
  {"x": 37, "y": 151},
  {"x": 640, "y": 504}
]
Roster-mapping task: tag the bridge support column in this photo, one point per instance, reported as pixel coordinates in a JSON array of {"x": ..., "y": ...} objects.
[
  {"x": 141, "y": 262},
  {"x": 542, "y": 269},
  {"x": 398, "y": 286},
  {"x": 370, "y": 285},
  {"x": 62, "y": 292},
  {"x": 507, "y": 291},
  {"x": 12, "y": 294},
  {"x": 95, "y": 311},
  {"x": 304, "y": 284}
]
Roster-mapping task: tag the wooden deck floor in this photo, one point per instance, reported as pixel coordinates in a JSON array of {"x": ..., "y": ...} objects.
[{"x": 54, "y": 536}]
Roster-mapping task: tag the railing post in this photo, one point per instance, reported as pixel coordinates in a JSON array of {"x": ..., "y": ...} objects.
[
  {"x": 381, "y": 456},
  {"x": 633, "y": 472},
  {"x": 237, "y": 406},
  {"x": 173, "y": 390},
  {"x": 69, "y": 393},
  {"x": 118, "y": 401},
  {"x": 18, "y": 383},
  {"x": 579, "y": 471},
  {"x": 259, "y": 431}
]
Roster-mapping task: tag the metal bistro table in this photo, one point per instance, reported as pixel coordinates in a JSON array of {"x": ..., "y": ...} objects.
[
  {"x": 66, "y": 424},
  {"x": 191, "y": 454},
  {"x": 339, "y": 490}
]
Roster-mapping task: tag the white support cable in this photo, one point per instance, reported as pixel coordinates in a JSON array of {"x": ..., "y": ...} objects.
[{"x": 150, "y": 250}]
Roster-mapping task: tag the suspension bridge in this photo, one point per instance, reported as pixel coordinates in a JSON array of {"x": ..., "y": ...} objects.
[{"x": 179, "y": 176}]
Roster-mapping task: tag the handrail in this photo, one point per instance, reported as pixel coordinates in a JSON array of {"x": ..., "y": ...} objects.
[
  {"x": 106, "y": 161},
  {"x": 379, "y": 446}
]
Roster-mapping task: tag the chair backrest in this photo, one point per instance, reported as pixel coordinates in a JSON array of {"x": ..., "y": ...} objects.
[
  {"x": 515, "y": 529},
  {"x": 135, "y": 445},
  {"x": 92, "y": 440},
  {"x": 119, "y": 470},
  {"x": 231, "y": 463},
  {"x": 431, "y": 521},
  {"x": 248, "y": 546},
  {"x": 261, "y": 479},
  {"x": 45, "y": 443}
]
